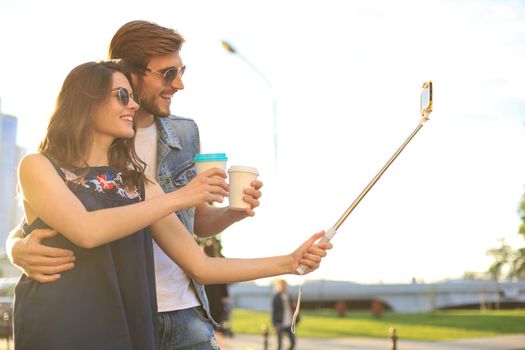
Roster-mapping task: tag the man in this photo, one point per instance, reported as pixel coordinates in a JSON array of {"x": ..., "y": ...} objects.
[
  {"x": 167, "y": 144},
  {"x": 282, "y": 314}
]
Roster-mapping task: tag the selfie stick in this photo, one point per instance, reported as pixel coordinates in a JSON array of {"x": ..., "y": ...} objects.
[{"x": 332, "y": 231}]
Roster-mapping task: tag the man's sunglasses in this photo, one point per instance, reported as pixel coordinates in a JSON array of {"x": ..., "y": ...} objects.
[
  {"x": 123, "y": 95},
  {"x": 169, "y": 75}
]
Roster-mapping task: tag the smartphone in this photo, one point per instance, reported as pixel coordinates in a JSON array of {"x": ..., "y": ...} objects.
[{"x": 426, "y": 98}]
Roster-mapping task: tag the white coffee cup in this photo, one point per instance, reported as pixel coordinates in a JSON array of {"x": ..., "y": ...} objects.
[
  {"x": 205, "y": 161},
  {"x": 241, "y": 178}
]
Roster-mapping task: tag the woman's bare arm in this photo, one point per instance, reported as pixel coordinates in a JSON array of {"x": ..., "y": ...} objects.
[
  {"x": 47, "y": 196},
  {"x": 173, "y": 238}
]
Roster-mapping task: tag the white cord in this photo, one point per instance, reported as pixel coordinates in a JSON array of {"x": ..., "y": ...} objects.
[{"x": 297, "y": 306}]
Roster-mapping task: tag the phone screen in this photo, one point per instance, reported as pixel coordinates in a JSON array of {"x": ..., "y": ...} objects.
[{"x": 426, "y": 98}]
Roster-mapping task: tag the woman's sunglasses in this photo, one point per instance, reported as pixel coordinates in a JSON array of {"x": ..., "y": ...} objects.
[
  {"x": 123, "y": 95},
  {"x": 170, "y": 74}
]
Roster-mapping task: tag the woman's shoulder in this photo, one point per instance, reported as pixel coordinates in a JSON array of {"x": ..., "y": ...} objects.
[
  {"x": 33, "y": 157},
  {"x": 36, "y": 168},
  {"x": 34, "y": 160}
]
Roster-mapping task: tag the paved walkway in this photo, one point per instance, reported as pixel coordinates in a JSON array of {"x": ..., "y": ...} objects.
[{"x": 253, "y": 342}]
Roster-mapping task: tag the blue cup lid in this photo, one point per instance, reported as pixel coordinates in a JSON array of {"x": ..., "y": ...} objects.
[{"x": 210, "y": 157}]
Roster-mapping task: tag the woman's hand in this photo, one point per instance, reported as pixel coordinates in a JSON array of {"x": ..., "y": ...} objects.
[
  {"x": 209, "y": 186},
  {"x": 310, "y": 254}
]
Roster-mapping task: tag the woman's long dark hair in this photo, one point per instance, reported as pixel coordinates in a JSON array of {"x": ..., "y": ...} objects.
[{"x": 70, "y": 131}]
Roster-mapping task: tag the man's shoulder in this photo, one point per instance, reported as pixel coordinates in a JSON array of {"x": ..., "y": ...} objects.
[
  {"x": 178, "y": 119},
  {"x": 172, "y": 123},
  {"x": 179, "y": 132}
]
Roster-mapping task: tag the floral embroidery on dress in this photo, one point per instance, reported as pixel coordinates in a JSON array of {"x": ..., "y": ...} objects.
[
  {"x": 132, "y": 194},
  {"x": 104, "y": 182},
  {"x": 69, "y": 175}
]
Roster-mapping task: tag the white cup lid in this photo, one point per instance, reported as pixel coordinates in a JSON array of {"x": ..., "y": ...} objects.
[{"x": 242, "y": 168}]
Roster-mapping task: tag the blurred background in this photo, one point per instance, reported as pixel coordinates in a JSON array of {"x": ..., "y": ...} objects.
[{"x": 318, "y": 95}]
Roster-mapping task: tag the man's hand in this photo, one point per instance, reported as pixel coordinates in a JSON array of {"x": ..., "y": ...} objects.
[
  {"x": 38, "y": 261},
  {"x": 251, "y": 196},
  {"x": 211, "y": 220}
]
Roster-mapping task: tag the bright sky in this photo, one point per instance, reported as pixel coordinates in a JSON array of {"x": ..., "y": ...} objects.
[{"x": 345, "y": 77}]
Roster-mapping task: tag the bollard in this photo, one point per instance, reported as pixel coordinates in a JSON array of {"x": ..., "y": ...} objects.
[
  {"x": 266, "y": 333},
  {"x": 8, "y": 321},
  {"x": 393, "y": 338}
]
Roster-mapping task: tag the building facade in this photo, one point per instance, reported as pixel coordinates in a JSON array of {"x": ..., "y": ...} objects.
[
  {"x": 10, "y": 155},
  {"x": 405, "y": 298}
]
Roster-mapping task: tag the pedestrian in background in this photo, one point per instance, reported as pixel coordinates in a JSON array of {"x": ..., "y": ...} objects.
[{"x": 282, "y": 314}]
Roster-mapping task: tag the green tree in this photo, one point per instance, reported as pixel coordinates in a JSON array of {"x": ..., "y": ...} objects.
[
  {"x": 509, "y": 263},
  {"x": 521, "y": 213},
  {"x": 473, "y": 275},
  {"x": 518, "y": 263},
  {"x": 503, "y": 257},
  {"x": 517, "y": 270}
]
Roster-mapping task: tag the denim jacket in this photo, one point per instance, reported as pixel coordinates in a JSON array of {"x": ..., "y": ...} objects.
[{"x": 178, "y": 142}]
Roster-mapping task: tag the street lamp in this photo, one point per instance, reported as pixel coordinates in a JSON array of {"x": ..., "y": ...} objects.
[{"x": 228, "y": 47}]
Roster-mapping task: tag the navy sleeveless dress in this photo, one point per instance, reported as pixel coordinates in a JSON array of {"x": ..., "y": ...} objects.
[{"x": 108, "y": 300}]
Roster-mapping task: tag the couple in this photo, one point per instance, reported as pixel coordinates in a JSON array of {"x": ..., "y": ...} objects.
[{"x": 108, "y": 200}]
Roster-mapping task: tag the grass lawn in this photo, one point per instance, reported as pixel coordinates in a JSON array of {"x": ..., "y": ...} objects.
[{"x": 439, "y": 325}]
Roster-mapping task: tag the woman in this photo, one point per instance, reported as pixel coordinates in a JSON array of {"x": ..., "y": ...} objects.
[{"x": 87, "y": 183}]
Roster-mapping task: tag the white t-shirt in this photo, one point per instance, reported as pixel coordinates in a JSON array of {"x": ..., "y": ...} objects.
[
  {"x": 146, "y": 148},
  {"x": 173, "y": 286}
]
